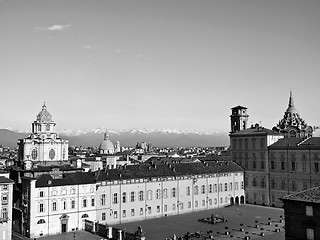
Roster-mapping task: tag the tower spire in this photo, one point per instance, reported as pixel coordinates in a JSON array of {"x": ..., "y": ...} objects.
[{"x": 291, "y": 103}]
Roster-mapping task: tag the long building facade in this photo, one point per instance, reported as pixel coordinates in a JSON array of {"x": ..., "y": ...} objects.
[{"x": 137, "y": 192}]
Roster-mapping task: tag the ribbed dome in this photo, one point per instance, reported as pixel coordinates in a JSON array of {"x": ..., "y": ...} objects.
[
  {"x": 44, "y": 115},
  {"x": 106, "y": 145}
]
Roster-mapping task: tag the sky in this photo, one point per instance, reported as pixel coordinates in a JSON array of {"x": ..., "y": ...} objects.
[{"x": 169, "y": 64}]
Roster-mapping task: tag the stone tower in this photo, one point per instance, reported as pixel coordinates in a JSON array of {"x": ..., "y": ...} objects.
[{"x": 239, "y": 118}]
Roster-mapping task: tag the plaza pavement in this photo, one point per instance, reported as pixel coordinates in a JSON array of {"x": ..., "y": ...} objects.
[{"x": 162, "y": 228}]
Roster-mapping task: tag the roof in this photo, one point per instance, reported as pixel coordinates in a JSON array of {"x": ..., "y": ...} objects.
[
  {"x": 310, "y": 195},
  {"x": 239, "y": 107},
  {"x": 140, "y": 171},
  {"x": 255, "y": 130},
  {"x": 300, "y": 143},
  {"x": 44, "y": 115},
  {"x": 77, "y": 178},
  {"x": 5, "y": 180}
]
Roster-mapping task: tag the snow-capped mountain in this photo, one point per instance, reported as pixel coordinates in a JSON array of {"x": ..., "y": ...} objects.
[
  {"x": 78, "y": 132},
  {"x": 128, "y": 137}
]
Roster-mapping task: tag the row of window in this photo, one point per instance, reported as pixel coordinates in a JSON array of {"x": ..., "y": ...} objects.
[
  {"x": 240, "y": 143},
  {"x": 293, "y": 166},
  {"x": 64, "y": 204},
  {"x": 174, "y": 206},
  {"x": 64, "y": 191},
  {"x": 126, "y": 197}
]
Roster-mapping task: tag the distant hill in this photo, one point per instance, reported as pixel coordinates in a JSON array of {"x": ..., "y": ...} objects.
[{"x": 159, "y": 138}]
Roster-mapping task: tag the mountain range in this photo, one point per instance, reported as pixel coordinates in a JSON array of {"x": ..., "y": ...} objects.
[{"x": 128, "y": 137}]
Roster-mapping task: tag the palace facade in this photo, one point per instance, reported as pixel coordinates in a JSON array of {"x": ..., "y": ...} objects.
[
  {"x": 136, "y": 192},
  {"x": 277, "y": 162}
]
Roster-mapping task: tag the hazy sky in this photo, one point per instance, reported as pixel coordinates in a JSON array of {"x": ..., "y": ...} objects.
[{"x": 158, "y": 64}]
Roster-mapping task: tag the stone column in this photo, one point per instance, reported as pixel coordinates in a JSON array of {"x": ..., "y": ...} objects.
[
  {"x": 120, "y": 234},
  {"x": 109, "y": 232}
]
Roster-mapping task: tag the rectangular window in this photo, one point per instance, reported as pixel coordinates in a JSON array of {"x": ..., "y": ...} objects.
[
  {"x": 158, "y": 209},
  {"x": 84, "y": 202},
  {"x": 165, "y": 208},
  {"x": 189, "y": 204},
  {"x": 293, "y": 165},
  {"x": 174, "y": 192},
  {"x": 41, "y": 207},
  {"x": 203, "y": 202},
  {"x": 103, "y": 199},
  {"x": 141, "y": 211},
  {"x": 272, "y": 165},
  {"x": 173, "y": 206},
  {"x": 124, "y": 197},
  {"x": 262, "y": 164},
  {"x": 92, "y": 202},
  {"x": 132, "y": 212},
  {"x": 124, "y": 213},
  {"x": 309, "y": 211},
  {"x": 64, "y": 205},
  {"x": 226, "y": 187},
  {"x": 103, "y": 216},
  {"x": 203, "y": 189},
  {"x": 4, "y": 213},
  {"x": 188, "y": 191},
  {"x": 210, "y": 188},
  {"x": 196, "y": 204},
  {"x": 41, "y": 194},
  {"x": 115, "y": 214},
  {"x": 282, "y": 165},
  {"x": 73, "y": 204},
  {"x": 310, "y": 234},
  {"x": 115, "y": 198},
  {"x": 149, "y": 210},
  {"x": 141, "y": 196},
  {"x": 132, "y": 198}
]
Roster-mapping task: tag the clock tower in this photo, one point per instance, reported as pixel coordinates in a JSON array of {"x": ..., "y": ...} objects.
[{"x": 43, "y": 144}]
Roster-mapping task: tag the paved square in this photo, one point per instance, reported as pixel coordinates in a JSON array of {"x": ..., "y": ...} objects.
[{"x": 248, "y": 215}]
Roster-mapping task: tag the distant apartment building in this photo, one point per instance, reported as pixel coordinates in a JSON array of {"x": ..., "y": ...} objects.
[
  {"x": 136, "y": 192},
  {"x": 302, "y": 216},
  {"x": 6, "y": 187}
]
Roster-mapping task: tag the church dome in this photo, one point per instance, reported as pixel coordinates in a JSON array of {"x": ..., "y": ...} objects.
[
  {"x": 44, "y": 115},
  {"x": 106, "y": 146}
]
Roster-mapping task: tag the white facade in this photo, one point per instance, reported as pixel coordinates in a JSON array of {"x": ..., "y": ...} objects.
[
  {"x": 43, "y": 144},
  {"x": 60, "y": 209},
  {"x": 111, "y": 197},
  {"x": 6, "y": 191}
]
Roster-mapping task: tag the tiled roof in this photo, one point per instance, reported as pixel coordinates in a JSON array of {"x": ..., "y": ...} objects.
[
  {"x": 297, "y": 142},
  {"x": 77, "y": 178},
  {"x": 284, "y": 142},
  {"x": 309, "y": 195},
  {"x": 140, "y": 171}
]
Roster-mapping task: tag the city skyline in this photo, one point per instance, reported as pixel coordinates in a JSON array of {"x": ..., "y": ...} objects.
[{"x": 158, "y": 65}]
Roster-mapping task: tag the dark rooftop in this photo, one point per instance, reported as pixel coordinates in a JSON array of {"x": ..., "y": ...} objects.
[{"x": 309, "y": 195}]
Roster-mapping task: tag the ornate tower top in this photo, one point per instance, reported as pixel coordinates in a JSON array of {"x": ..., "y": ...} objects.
[{"x": 292, "y": 125}]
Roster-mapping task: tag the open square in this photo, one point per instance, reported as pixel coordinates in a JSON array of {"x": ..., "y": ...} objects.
[{"x": 254, "y": 220}]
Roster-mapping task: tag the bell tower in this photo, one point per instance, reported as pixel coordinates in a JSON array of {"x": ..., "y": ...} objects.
[{"x": 239, "y": 118}]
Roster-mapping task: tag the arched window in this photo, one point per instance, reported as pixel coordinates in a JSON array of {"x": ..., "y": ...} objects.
[
  {"x": 85, "y": 215},
  {"x": 41, "y": 221},
  {"x": 292, "y": 133}
]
